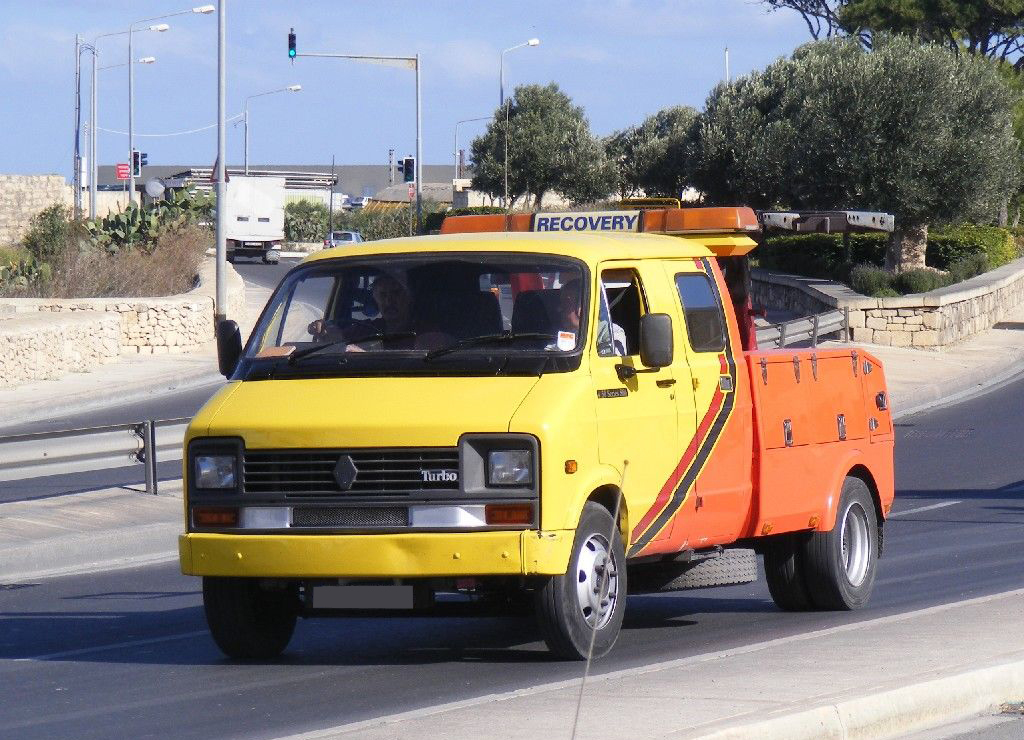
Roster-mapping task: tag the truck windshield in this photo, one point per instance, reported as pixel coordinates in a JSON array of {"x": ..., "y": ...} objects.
[{"x": 430, "y": 313}]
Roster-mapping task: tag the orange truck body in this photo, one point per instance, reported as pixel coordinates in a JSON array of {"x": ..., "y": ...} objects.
[{"x": 779, "y": 433}]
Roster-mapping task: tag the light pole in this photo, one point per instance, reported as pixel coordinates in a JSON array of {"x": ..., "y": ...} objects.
[
  {"x": 457, "y": 124},
  {"x": 202, "y": 10},
  {"x": 501, "y": 103},
  {"x": 245, "y": 116},
  {"x": 414, "y": 64},
  {"x": 94, "y": 112},
  {"x": 501, "y": 66}
]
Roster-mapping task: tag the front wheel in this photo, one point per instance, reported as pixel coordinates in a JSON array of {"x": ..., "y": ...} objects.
[
  {"x": 839, "y": 565},
  {"x": 580, "y": 612},
  {"x": 247, "y": 619}
]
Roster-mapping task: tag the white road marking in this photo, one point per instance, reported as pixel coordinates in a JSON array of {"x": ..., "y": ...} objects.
[
  {"x": 919, "y": 509},
  {"x": 113, "y": 646}
]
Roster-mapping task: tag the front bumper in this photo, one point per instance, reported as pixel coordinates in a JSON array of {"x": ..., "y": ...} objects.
[{"x": 404, "y": 555}]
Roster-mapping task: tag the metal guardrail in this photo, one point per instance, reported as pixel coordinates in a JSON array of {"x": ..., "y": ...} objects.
[
  {"x": 806, "y": 328},
  {"x": 26, "y": 456}
]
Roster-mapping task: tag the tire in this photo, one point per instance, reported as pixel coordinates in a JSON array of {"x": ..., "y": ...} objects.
[
  {"x": 840, "y": 565},
  {"x": 569, "y": 615},
  {"x": 732, "y": 566},
  {"x": 784, "y": 572},
  {"x": 246, "y": 620}
]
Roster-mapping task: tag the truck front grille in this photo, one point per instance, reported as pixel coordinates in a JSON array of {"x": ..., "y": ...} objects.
[
  {"x": 357, "y": 516},
  {"x": 300, "y": 473}
]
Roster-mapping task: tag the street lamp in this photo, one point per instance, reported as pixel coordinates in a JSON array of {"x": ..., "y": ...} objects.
[
  {"x": 201, "y": 10},
  {"x": 501, "y": 66},
  {"x": 245, "y": 116},
  {"x": 501, "y": 102},
  {"x": 94, "y": 109},
  {"x": 457, "y": 124}
]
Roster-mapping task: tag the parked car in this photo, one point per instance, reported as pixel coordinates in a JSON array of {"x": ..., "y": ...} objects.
[
  {"x": 342, "y": 238},
  {"x": 359, "y": 202}
]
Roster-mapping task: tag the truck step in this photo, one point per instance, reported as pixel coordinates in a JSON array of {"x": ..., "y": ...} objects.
[{"x": 731, "y": 566}]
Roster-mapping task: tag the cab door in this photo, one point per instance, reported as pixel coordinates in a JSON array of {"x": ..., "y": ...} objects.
[
  {"x": 718, "y": 464},
  {"x": 635, "y": 405}
]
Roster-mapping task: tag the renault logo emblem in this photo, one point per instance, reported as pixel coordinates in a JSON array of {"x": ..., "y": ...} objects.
[{"x": 345, "y": 472}]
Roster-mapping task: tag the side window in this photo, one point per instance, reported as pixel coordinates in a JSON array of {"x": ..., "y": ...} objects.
[
  {"x": 308, "y": 302},
  {"x": 705, "y": 323},
  {"x": 621, "y": 305}
]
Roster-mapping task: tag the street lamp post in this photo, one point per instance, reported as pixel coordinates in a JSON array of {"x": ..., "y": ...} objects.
[
  {"x": 457, "y": 124},
  {"x": 201, "y": 10},
  {"x": 501, "y": 66},
  {"x": 245, "y": 116},
  {"x": 501, "y": 103},
  {"x": 414, "y": 64}
]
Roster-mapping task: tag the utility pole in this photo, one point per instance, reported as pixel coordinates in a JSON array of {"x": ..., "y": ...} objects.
[
  {"x": 728, "y": 78},
  {"x": 222, "y": 162},
  {"x": 76, "y": 177},
  {"x": 330, "y": 208}
]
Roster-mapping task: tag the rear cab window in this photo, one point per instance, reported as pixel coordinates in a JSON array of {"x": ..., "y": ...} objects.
[{"x": 702, "y": 310}]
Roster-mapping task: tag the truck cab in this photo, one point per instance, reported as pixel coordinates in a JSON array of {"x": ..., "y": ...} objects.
[{"x": 563, "y": 408}]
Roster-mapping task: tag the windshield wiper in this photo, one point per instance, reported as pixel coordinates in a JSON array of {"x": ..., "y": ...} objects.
[
  {"x": 384, "y": 336},
  {"x": 507, "y": 336}
]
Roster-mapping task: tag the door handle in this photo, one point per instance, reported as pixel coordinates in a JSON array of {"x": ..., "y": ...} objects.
[{"x": 666, "y": 382}]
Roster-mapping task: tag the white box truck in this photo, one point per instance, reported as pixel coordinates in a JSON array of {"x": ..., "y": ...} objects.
[{"x": 255, "y": 217}]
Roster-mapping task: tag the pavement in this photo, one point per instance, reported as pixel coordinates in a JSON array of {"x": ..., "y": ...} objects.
[{"x": 877, "y": 679}]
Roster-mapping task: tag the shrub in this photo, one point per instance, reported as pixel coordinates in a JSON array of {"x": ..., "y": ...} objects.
[
  {"x": 968, "y": 267},
  {"x": 48, "y": 233},
  {"x": 169, "y": 268},
  {"x": 952, "y": 244},
  {"x": 821, "y": 255},
  {"x": 871, "y": 280},
  {"x": 920, "y": 281},
  {"x": 305, "y": 221}
]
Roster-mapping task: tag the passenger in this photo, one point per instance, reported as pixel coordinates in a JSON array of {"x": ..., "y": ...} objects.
[{"x": 570, "y": 296}]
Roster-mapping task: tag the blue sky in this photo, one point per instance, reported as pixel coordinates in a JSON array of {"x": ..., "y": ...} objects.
[{"x": 620, "y": 59}]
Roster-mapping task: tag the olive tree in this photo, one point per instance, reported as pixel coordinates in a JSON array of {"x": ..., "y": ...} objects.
[
  {"x": 550, "y": 148},
  {"x": 651, "y": 157},
  {"x": 913, "y": 129}
]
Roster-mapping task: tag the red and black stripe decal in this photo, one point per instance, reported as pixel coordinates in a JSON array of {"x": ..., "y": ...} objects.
[{"x": 676, "y": 489}]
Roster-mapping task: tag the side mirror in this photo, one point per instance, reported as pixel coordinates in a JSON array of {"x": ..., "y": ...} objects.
[
  {"x": 656, "y": 349},
  {"x": 229, "y": 347}
]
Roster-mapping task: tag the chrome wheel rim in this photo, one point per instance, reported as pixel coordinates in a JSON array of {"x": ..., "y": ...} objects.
[
  {"x": 597, "y": 581},
  {"x": 855, "y": 541}
]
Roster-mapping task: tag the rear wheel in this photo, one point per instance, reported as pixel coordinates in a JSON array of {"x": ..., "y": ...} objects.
[
  {"x": 248, "y": 620},
  {"x": 840, "y": 564},
  {"x": 784, "y": 572},
  {"x": 585, "y": 605}
]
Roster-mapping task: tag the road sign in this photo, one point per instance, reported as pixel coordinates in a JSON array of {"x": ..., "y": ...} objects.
[
  {"x": 412, "y": 191},
  {"x": 124, "y": 170}
]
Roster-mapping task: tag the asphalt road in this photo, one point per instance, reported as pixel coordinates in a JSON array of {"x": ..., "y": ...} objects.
[
  {"x": 164, "y": 406},
  {"x": 127, "y": 653}
]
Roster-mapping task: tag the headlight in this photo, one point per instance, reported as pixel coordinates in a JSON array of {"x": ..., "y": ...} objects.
[
  {"x": 509, "y": 468},
  {"x": 215, "y": 471}
]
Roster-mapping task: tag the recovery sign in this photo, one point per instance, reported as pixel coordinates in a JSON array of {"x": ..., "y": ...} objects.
[{"x": 588, "y": 221}]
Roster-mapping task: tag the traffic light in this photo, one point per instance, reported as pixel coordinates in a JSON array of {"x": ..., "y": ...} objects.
[
  {"x": 291, "y": 44},
  {"x": 408, "y": 169},
  {"x": 143, "y": 159},
  {"x": 136, "y": 163}
]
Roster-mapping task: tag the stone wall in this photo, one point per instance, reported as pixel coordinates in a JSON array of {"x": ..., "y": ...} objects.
[
  {"x": 36, "y": 347},
  {"x": 23, "y": 196},
  {"x": 43, "y": 338},
  {"x": 927, "y": 320}
]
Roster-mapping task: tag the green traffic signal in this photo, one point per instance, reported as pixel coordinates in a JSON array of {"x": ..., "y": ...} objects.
[{"x": 291, "y": 44}]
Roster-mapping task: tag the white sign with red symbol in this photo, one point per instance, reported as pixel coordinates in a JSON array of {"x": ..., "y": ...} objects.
[
  {"x": 124, "y": 170},
  {"x": 412, "y": 191}
]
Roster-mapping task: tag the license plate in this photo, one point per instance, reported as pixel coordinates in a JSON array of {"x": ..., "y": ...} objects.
[
  {"x": 253, "y": 244},
  {"x": 363, "y": 597}
]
